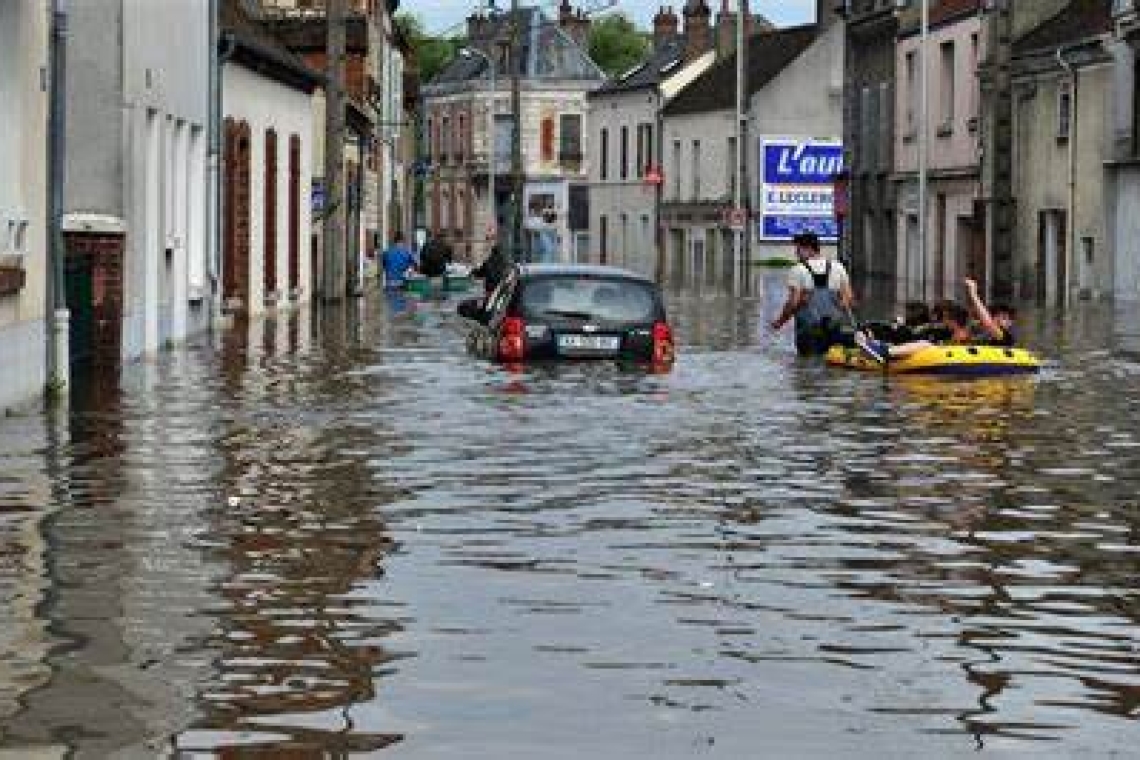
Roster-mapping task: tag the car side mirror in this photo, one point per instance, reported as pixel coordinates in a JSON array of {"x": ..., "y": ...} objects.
[{"x": 472, "y": 308}]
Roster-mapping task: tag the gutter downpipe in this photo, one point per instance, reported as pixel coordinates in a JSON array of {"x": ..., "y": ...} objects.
[
  {"x": 59, "y": 328},
  {"x": 658, "y": 192},
  {"x": 1071, "y": 221},
  {"x": 218, "y": 57}
]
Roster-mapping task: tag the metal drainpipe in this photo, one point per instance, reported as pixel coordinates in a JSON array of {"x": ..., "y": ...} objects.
[
  {"x": 658, "y": 192},
  {"x": 1071, "y": 221},
  {"x": 59, "y": 357},
  {"x": 218, "y": 57}
]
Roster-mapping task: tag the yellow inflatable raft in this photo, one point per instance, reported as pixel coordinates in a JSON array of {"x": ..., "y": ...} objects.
[{"x": 956, "y": 361}]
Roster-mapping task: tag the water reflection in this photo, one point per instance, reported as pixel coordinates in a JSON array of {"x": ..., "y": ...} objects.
[{"x": 341, "y": 535}]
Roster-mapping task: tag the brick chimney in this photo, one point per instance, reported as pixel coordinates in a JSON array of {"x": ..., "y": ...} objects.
[
  {"x": 477, "y": 29},
  {"x": 698, "y": 29},
  {"x": 574, "y": 23},
  {"x": 665, "y": 27}
]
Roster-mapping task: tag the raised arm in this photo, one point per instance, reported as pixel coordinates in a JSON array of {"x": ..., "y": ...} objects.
[{"x": 981, "y": 313}]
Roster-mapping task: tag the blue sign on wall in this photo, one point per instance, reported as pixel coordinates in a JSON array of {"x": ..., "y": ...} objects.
[{"x": 797, "y": 188}]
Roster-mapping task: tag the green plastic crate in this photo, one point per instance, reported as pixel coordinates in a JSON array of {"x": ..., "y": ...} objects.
[
  {"x": 457, "y": 284},
  {"x": 419, "y": 286}
]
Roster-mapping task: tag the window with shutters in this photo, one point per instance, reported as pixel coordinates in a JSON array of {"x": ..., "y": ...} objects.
[
  {"x": 696, "y": 170},
  {"x": 948, "y": 86},
  {"x": 640, "y": 166},
  {"x": 604, "y": 154},
  {"x": 547, "y": 140},
  {"x": 294, "y": 213},
  {"x": 885, "y": 128},
  {"x": 731, "y": 167},
  {"x": 269, "y": 268},
  {"x": 570, "y": 141},
  {"x": 623, "y": 166},
  {"x": 677, "y": 170}
]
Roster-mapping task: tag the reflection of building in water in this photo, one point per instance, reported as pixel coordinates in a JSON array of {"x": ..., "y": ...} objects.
[
  {"x": 298, "y": 534},
  {"x": 25, "y": 496},
  {"x": 125, "y": 580}
]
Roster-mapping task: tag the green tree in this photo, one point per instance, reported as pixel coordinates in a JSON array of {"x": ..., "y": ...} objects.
[
  {"x": 616, "y": 45},
  {"x": 432, "y": 53}
]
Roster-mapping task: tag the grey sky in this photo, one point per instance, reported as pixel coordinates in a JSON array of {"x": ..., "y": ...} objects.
[{"x": 446, "y": 16}]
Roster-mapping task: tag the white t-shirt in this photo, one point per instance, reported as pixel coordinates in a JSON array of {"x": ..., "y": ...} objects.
[{"x": 800, "y": 278}]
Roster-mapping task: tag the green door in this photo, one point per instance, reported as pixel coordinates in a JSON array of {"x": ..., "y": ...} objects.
[{"x": 81, "y": 304}]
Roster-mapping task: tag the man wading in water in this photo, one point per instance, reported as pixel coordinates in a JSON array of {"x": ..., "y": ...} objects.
[{"x": 819, "y": 294}]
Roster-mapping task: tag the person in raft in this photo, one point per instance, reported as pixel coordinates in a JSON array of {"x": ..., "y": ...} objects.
[{"x": 994, "y": 328}]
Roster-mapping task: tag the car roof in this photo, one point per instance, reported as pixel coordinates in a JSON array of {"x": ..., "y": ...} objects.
[{"x": 587, "y": 270}]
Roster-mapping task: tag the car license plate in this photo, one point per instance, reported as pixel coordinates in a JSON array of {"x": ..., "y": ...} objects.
[{"x": 589, "y": 342}]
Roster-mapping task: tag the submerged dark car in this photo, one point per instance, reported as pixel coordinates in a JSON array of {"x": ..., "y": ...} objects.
[{"x": 559, "y": 312}]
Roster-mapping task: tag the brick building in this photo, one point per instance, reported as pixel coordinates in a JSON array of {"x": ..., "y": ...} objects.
[{"x": 460, "y": 105}]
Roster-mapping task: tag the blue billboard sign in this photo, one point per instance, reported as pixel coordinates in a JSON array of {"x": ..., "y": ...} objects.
[{"x": 797, "y": 192}]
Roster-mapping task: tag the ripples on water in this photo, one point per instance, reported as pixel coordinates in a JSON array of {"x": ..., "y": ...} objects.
[{"x": 351, "y": 538}]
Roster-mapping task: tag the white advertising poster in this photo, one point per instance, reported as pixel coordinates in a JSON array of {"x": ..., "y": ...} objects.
[{"x": 797, "y": 187}]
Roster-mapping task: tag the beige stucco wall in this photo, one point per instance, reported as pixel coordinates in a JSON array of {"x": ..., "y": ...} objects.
[
  {"x": 266, "y": 104},
  {"x": 952, "y": 143},
  {"x": 628, "y": 205},
  {"x": 23, "y": 193},
  {"x": 1041, "y": 179}
]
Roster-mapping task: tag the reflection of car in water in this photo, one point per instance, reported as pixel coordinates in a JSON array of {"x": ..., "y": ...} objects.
[{"x": 571, "y": 312}]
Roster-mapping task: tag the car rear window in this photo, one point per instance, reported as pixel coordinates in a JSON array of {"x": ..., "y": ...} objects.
[{"x": 589, "y": 298}]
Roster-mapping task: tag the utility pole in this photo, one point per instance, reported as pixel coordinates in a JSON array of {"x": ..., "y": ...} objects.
[
  {"x": 516, "y": 136},
  {"x": 740, "y": 236},
  {"x": 997, "y": 109},
  {"x": 335, "y": 251},
  {"x": 923, "y": 140}
]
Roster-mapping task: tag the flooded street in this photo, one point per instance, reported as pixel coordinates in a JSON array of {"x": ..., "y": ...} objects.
[{"x": 351, "y": 538}]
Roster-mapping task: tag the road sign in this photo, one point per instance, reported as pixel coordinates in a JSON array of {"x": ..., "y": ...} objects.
[{"x": 735, "y": 219}]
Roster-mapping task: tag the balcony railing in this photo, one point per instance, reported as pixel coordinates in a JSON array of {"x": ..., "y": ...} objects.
[
  {"x": 314, "y": 9},
  {"x": 477, "y": 163}
]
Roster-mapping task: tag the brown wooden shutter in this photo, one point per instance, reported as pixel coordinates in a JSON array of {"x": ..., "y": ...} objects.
[
  {"x": 269, "y": 272},
  {"x": 294, "y": 213}
]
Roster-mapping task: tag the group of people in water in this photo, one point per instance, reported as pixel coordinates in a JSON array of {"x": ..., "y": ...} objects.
[
  {"x": 820, "y": 301},
  {"x": 398, "y": 262}
]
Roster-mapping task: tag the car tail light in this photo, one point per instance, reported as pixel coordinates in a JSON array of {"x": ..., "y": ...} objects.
[
  {"x": 512, "y": 340},
  {"x": 662, "y": 344}
]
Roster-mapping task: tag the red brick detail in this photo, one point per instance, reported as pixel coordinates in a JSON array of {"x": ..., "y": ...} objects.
[
  {"x": 102, "y": 255},
  {"x": 12, "y": 279}
]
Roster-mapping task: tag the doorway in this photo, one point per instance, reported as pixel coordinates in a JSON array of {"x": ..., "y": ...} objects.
[{"x": 1051, "y": 257}]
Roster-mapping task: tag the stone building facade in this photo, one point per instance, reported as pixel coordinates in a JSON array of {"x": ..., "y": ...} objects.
[
  {"x": 624, "y": 125},
  {"x": 460, "y": 106},
  {"x": 868, "y": 136},
  {"x": 1062, "y": 96}
]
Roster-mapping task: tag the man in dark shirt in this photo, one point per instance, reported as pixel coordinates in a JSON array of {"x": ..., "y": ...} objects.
[{"x": 435, "y": 256}]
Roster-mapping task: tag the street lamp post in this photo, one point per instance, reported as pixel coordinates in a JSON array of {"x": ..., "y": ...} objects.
[
  {"x": 923, "y": 138},
  {"x": 491, "y": 142}
]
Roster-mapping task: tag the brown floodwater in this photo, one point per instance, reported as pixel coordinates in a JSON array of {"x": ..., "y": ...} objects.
[{"x": 342, "y": 536}]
